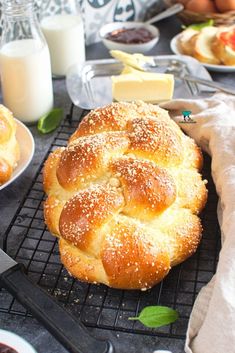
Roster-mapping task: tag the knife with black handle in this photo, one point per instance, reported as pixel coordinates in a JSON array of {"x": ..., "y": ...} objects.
[{"x": 64, "y": 327}]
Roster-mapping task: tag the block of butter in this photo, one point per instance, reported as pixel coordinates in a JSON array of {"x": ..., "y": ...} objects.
[{"x": 150, "y": 87}]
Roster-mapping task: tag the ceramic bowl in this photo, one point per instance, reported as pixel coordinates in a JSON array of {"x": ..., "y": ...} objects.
[
  {"x": 129, "y": 48},
  {"x": 16, "y": 342}
]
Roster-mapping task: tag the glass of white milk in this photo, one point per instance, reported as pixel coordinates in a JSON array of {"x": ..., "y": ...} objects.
[
  {"x": 25, "y": 67},
  {"x": 64, "y": 33}
]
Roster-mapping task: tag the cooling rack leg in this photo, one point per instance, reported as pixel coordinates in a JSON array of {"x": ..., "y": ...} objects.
[{"x": 69, "y": 116}]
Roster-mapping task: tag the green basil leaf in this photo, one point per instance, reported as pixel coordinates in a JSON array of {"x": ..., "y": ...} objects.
[
  {"x": 50, "y": 121},
  {"x": 156, "y": 316},
  {"x": 200, "y": 26}
]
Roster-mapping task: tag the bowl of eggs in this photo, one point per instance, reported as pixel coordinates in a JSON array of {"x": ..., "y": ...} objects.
[{"x": 195, "y": 11}]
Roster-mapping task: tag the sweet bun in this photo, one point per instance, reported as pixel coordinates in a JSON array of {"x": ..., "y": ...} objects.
[
  {"x": 187, "y": 41},
  {"x": 124, "y": 196},
  {"x": 202, "y": 46},
  {"x": 9, "y": 148},
  {"x": 223, "y": 45}
]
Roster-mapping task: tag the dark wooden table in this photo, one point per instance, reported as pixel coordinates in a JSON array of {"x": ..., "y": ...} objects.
[{"x": 27, "y": 327}]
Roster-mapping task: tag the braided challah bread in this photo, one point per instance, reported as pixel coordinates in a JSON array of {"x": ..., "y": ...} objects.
[
  {"x": 9, "y": 148},
  {"x": 124, "y": 195}
]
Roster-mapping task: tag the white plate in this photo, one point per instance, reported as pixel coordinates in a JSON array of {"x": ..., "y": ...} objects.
[
  {"x": 219, "y": 68},
  {"x": 27, "y": 147},
  {"x": 16, "y": 342}
]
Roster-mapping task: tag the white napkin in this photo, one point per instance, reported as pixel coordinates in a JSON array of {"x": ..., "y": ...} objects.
[{"x": 211, "y": 326}]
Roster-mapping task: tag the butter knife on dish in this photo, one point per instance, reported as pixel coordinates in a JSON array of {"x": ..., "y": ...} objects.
[
  {"x": 216, "y": 85},
  {"x": 176, "y": 69}
]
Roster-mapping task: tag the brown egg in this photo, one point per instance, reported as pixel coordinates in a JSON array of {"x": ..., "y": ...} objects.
[
  {"x": 202, "y": 6},
  {"x": 223, "y": 6}
]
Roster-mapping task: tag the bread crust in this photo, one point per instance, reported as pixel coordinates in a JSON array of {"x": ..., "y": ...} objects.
[
  {"x": 187, "y": 41},
  {"x": 124, "y": 195}
]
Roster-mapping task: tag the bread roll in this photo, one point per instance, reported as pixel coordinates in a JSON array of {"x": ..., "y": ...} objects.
[
  {"x": 211, "y": 45},
  {"x": 124, "y": 195},
  {"x": 187, "y": 41},
  {"x": 202, "y": 47},
  {"x": 9, "y": 148},
  {"x": 223, "y": 45}
]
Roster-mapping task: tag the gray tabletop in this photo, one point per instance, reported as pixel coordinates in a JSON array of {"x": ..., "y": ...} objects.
[{"x": 11, "y": 197}]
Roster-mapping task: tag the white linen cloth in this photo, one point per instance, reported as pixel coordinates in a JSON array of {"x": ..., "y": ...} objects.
[{"x": 211, "y": 326}]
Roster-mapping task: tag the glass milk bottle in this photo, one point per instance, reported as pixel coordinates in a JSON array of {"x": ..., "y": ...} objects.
[
  {"x": 24, "y": 63},
  {"x": 61, "y": 23}
]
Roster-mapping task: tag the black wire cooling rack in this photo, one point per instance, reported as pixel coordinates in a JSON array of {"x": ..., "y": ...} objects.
[{"x": 29, "y": 242}]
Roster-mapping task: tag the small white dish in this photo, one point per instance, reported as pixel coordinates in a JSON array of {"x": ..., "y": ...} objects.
[
  {"x": 174, "y": 44},
  {"x": 16, "y": 342},
  {"x": 129, "y": 48},
  {"x": 27, "y": 148}
]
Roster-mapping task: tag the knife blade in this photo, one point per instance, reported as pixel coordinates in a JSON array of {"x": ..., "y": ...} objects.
[{"x": 63, "y": 326}]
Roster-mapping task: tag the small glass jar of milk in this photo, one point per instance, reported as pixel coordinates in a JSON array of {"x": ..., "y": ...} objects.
[
  {"x": 63, "y": 30},
  {"x": 25, "y": 67}
]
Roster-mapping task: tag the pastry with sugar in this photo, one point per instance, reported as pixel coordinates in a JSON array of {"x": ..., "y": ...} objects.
[
  {"x": 9, "y": 148},
  {"x": 124, "y": 196},
  {"x": 223, "y": 45}
]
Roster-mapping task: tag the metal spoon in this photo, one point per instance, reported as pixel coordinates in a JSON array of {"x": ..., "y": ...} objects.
[{"x": 167, "y": 13}]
